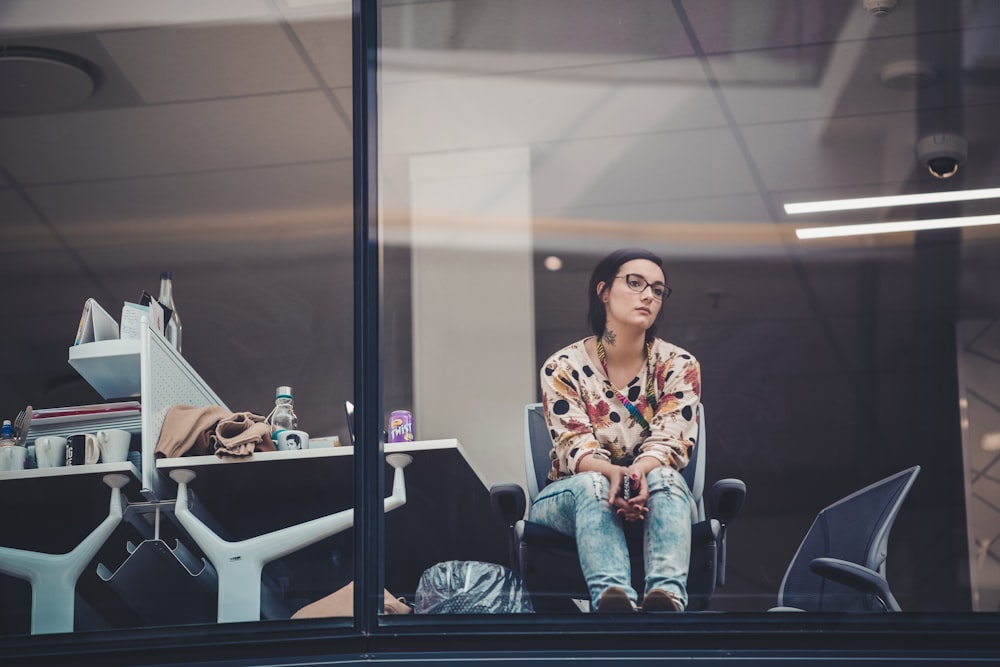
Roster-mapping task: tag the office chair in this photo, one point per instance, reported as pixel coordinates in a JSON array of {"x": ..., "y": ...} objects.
[
  {"x": 547, "y": 561},
  {"x": 840, "y": 565}
]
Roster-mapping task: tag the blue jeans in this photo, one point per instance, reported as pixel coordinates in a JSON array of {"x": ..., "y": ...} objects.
[{"x": 578, "y": 506}]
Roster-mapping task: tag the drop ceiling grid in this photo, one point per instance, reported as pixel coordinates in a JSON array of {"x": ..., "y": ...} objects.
[
  {"x": 211, "y": 203},
  {"x": 195, "y": 136}
]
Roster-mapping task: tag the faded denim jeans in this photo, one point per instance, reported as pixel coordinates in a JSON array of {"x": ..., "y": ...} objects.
[{"x": 578, "y": 506}]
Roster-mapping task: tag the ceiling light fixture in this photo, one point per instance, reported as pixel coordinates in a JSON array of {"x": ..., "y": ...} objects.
[
  {"x": 867, "y": 229},
  {"x": 890, "y": 200}
]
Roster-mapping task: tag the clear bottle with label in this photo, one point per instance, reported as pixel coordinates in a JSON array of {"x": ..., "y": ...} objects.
[
  {"x": 174, "y": 327},
  {"x": 283, "y": 416},
  {"x": 7, "y": 434}
]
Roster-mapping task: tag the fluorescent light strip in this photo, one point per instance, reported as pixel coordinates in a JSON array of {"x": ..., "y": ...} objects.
[
  {"x": 893, "y": 227},
  {"x": 893, "y": 200}
]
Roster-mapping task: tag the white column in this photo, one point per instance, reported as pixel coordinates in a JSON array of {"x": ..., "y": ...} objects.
[{"x": 473, "y": 313}]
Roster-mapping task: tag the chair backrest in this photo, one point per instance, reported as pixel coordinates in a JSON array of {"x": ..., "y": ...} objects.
[
  {"x": 855, "y": 529},
  {"x": 538, "y": 445}
]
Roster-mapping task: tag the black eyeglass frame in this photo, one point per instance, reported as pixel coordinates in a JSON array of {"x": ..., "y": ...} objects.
[{"x": 629, "y": 277}]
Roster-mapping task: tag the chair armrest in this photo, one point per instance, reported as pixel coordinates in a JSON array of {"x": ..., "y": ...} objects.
[
  {"x": 725, "y": 500},
  {"x": 508, "y": 503},
  {"x": 858, "y": 577}
]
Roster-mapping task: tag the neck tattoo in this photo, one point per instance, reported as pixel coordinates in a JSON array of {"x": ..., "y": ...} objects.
[
  {"x": 609, "y": 336},
  {"x": 642, "y": 419}
]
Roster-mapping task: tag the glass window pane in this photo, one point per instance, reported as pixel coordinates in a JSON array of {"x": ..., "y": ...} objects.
[
  {"x": 523, "y": 141},
  {"x": 213, "y": 141}
]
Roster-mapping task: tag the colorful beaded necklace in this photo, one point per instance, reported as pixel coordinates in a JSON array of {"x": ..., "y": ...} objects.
[{"x": 650, "y": 394}]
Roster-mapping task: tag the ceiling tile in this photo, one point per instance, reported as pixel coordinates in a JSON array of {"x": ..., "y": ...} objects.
[
  {"x": 645, "y": 167},
  {"x": 71, "y": 15},
  {"x": 636, "y": 27},
  {"x": 206, "y": 62},
  {"x": 815, "y": 82},
  {"x": 328, "y": 43},
  {"x": 197, "y": 136},
  {"x": 196, "y": 215},
  {"x": 464, "y": 113}
]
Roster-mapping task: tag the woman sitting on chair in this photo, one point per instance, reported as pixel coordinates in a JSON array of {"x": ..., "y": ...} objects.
[{"x": 622, "y": 405}]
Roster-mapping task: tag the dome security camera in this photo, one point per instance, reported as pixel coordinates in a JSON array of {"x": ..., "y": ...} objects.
[{"x": 942, "y": 154}]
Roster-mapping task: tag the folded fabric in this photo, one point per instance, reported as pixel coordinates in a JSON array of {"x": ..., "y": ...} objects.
[
  {"x": 188, "y": 430},
  {"x": 240, "y": 434}
]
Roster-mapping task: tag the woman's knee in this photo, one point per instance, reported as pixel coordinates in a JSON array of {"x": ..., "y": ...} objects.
[
  {"x": 668, "y": 483},
  {"x": 583, "y": 488}
]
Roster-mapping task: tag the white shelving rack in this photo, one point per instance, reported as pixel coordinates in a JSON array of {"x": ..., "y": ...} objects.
[{"x": 151, "y": 369}]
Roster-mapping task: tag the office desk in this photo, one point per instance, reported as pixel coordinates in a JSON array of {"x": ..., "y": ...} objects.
[
  {"x": 446, "y": 517},
  {"x": 447, "y": 513}
]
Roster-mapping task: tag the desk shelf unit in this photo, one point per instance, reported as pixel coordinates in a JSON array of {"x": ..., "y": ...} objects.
[{"x": 151, "y": 369}]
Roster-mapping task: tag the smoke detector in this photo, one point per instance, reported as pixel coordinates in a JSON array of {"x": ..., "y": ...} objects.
[{"x": 879, "y": 8}]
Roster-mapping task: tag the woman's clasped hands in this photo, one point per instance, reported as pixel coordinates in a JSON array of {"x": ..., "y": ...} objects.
[{"x": 634, "y": 508}]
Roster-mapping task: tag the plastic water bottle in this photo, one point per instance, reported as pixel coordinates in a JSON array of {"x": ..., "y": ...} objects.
[
  {"x": 7, "y": 434},
  {"x": 174, "y": 328},
  {"x": 283, "y": 416}
]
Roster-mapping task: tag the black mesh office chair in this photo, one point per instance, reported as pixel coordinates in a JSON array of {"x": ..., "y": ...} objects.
[
  {"x": 547, "y": 560},
  {"x": 840, "y": 565}
]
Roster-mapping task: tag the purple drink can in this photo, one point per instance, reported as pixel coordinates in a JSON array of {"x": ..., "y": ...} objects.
[{"x": 400, "y": 426}]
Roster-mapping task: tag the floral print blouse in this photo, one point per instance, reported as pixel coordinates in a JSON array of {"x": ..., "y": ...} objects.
[{"x": 586, "y": 418}]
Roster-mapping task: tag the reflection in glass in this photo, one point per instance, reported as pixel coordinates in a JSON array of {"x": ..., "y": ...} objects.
[
  {"x": 511, "y": 134},
  {"x": 228, "y": 164}
]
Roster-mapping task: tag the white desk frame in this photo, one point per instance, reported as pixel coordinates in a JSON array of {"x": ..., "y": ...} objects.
[
  {"x": 239, "y": 564},
  {"x": 53, "y": 577}
]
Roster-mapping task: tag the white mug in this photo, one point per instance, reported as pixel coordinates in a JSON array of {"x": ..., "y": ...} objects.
[
  {"x": 12, "y": 457},
  {"x": 50, "y": 451},
  {"x": 291, "y": 440},
  {"x": 114, "y": 444}
]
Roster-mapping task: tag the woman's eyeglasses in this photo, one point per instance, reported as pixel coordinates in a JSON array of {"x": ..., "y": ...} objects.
[{"x": 637, "y": 283}]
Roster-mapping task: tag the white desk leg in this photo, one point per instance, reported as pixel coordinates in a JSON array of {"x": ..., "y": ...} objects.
[
  {"x": 398, "y": 497},
  {"x": 53, "y": 577},
  {"x": 239, "y": 564}
]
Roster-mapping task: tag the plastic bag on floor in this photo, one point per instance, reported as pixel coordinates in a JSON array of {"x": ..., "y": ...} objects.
[{"x": 471, "y": 587}]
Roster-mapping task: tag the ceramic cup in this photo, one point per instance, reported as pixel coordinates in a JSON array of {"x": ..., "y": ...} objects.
[
  {"x": 114, "y": 444},
  {"x": 291, "y": 440},
  {"x": 12, "y": 457},
  {"x": 50, "y": 451},
  {"x": 82, "y": 449}
]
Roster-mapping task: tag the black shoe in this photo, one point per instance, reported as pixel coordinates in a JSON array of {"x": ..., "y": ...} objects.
[
  {"x": 614, "y": 600},
  {"x": 660, "y": 600}
]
